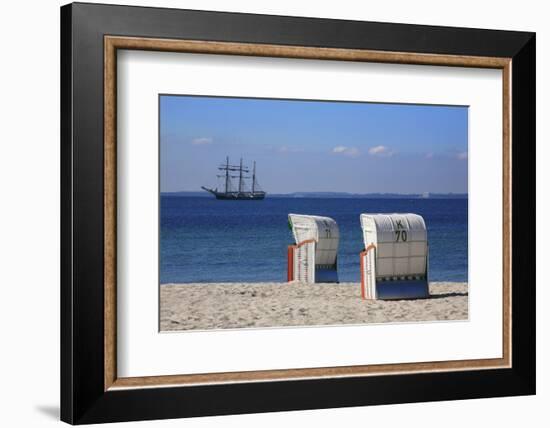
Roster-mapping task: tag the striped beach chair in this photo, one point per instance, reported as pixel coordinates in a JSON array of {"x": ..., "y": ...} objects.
[
  {"x": 313, "y": 257},
  {"x": 394, "y": 263}
]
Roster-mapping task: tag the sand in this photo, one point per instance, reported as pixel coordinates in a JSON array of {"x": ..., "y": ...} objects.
[{"x": 236, "y": 305}]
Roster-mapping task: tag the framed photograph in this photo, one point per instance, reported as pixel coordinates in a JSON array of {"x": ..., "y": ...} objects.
[{"x": 266, "y": 213}]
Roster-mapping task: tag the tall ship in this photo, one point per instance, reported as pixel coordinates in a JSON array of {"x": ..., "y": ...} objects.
[{"x": 229, "y": 173}]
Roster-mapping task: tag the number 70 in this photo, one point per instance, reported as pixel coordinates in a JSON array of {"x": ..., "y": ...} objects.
[{"x": 401, "y": 235}]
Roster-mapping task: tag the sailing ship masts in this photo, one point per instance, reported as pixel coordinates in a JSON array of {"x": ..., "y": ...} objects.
[
  {"x": 241, "y": 176},
  {"x": 254, "y": 177},
  {"x": 229, "y": 171},
  {"x": 227, "y": 175}
]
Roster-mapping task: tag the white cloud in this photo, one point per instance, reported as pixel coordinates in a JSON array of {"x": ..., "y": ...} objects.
[
  {"x": 202, "y": 141},
  {"x": 381, "y": 151},
  {"x": 462, "y": 155},
  {"x": 346, "y": 151}
]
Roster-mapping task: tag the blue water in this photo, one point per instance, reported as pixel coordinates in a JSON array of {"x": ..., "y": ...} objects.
[{"x": 206, "y": 240}]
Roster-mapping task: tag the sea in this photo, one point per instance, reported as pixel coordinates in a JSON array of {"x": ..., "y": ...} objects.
[{"x": 207, "y": 240}]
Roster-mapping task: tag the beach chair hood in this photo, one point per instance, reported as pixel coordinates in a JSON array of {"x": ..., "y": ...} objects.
[
  {"x": 314, "y": 256},
  {"x": 394, "y": 263}
]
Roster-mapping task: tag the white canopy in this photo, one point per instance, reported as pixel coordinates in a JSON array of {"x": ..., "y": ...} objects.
[
  {"x": 323, "y": 230},
  {"x": 401, "y": 243}
]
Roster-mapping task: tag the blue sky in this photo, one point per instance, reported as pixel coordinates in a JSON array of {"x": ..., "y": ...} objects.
[{"x": 302, "y": 146}]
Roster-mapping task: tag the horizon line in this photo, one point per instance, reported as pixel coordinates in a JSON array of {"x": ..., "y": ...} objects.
[{"x": 331, "y": 192}]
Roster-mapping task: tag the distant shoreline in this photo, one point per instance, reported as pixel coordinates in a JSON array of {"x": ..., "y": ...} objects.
[{"x": 332, "y": 195}]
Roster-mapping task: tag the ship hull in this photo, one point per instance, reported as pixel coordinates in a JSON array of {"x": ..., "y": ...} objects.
[
  {"x": 242, "y": 197},
  {"x": 237, "y": 196}
]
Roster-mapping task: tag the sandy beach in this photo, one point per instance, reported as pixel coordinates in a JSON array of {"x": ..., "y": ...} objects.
[{"x": 251, "y": 305}]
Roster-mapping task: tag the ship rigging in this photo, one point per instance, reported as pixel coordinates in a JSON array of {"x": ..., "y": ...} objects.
[{"x": 229, "y": 172}]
